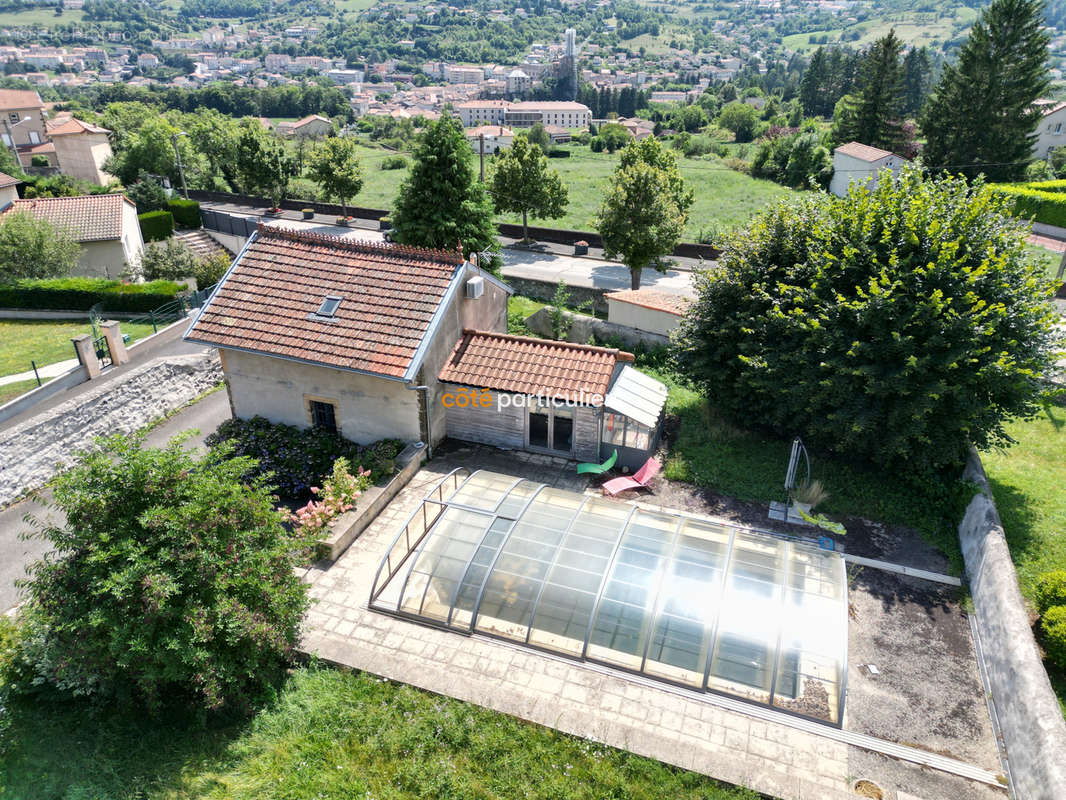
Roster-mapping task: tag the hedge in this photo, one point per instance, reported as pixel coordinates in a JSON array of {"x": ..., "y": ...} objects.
[
  {"x": 1047, "y": 207},
  {"x": 186, "y": 213},
  {"x": 558, "y": 154},
  {"x": 80, "y": 294},
  {"x": 156, "y": 225}
]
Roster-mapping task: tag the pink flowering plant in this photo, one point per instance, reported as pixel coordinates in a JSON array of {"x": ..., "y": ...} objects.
[{"x": 338, "y": 494}]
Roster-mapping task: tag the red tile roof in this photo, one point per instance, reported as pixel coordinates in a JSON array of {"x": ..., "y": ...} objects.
[
  {"x": 72, "y": 125},
  {"x": 88, "y": 217},
  {"x": 863, "y": 152},
  {"x": 649, "y": 298},
  {"x": 11, "y": 99},
  {"x": 6, "y": 180},
  {"x": 268, "y": 300},
  {"x": 526, "y": 365}
]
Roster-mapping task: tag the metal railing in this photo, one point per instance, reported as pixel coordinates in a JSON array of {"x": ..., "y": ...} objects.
[
  {"x": 174, "y": 310},
  {"x": 415, "y": 529}
]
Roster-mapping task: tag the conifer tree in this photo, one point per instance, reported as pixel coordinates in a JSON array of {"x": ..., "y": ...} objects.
[
  {"x": 917, "y": 79},
  {"x": 981, "y": 117},
  {"x": 873, "y": 114}
]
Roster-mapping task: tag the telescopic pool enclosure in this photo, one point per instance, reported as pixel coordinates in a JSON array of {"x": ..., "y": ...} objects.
[{"x": 701, "y": 604}]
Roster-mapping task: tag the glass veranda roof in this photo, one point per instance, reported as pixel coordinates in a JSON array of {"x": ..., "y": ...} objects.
[{"x": 698, "y": 603}]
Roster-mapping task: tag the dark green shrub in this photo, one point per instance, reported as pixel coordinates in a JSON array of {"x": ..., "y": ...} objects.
[
  {"x": 172, "y": 577},
  {"x": 300, "y": 457},
  {"x": 558, "y": 152},
  {"x": 156, "y": 225},
  {"x": 1050, "y": 590},
  {"x": 1053, "y": 626},
  {"x": 81, "y": 294},
  {"x": 186, "y": 213},
  {"x": 895, "y": 327},
  {"x": 147, "y": 194},
  {"x": 38, "y": 161},
  {"x": 394, "y": 162},
  {"x": 596, "y": 144}
]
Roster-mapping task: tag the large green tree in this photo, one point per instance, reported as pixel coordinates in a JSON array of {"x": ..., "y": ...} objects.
[
  {"x": 335, "y": 166},
  {"x": 981, "y": 118},
  {"x": 897, "y": 326},
  {"x": 873, "y": 114},
  {"x": 35, "y": 248},
  {"x": 441, "y": 203},
  {"x": 524, "y": 184},
  {"x": 917, "y": 79},
  {"x": 644, "y": 209},
  {"x": 263, "y": 164}
]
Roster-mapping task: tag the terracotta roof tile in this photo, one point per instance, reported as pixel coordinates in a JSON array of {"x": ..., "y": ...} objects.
[
  {"x": 268, "y": 300},
  {"x": 88, "y": 217},
  {"x": 649, "y": 298},
  {"x": 19, "y": 98},
  {"x": 6, "y": 180},
  {"x": 526, "y": 365},
  {"x": 863, "y": 152},
  {"x": 72, "y": 125}
]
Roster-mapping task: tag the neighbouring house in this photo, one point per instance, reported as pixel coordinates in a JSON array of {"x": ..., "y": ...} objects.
[
  {"x": 81, "y": 149},
  {"x": 496, "y": 138},
  {"x": 8, "y": 189},
  {"x": 312, "y": 127},
  {"x": 105, "y": 225},
  {"x": 22, "y": 125},
  {"x": 860, "y": 163},
  {"x": 646, "y": 309},
  {"x": 1051, "y": 132},
  {"x": 377, "y": 340}
]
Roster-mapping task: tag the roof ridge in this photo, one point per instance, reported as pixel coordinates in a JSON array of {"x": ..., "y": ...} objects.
[
  {"x": 621, "y": 355},
  {"x": 361, "y": 245}
]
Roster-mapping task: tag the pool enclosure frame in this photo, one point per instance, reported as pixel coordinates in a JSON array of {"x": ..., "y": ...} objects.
[{"x": 412, "y": 540}]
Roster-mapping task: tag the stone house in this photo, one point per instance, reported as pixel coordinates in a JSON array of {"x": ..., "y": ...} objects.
[
  {"x": 312, "y": 127},
  {"x": 22, "y": 125},
  {"x": 377, "y": 340},
  {"x": 860, "y": 163},
  {"x": 105, "y": 225},
  {"x": 81, "y": 149}
]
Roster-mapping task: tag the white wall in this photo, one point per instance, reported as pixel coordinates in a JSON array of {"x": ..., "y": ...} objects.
[
  {"x": 368, "y": 408},
  {"x": 1050, "y": 133},
  {"x": 641, "y": 317},
  {"x": 102, "y": 259},
  {"x": 82, "y": 155},
  {"x": 848, "y": 169}
]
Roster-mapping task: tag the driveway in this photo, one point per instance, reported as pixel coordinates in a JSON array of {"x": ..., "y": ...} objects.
[{"x": 16, "y": 554}]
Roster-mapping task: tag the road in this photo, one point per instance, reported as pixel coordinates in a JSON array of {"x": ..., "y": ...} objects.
[{"x": 16, "y": 553}]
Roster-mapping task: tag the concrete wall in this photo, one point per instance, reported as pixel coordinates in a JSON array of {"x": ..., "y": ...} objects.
[
  {"x": 583, "y": 326},
  {"x": 82, "y": 155},
  {"x": 368, "y": 408},
  {"x": 102, "y": 259},
  {"x": 642, "y": 318},
  {"x": 9, "y": 194},
  {"x": 1030, "y": 718}
]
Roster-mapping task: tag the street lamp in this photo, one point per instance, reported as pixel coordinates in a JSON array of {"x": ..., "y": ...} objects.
[
  {"x": 181, "y": 169},
  {"x": 11, "y": 139}
]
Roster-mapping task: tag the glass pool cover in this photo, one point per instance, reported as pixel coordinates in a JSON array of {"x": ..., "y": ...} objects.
[{"x": 697, "y": 603}]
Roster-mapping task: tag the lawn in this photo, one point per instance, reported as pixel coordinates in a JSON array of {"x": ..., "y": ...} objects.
[
  {"x": 1029, "y": 485},
  {"x": 329, "y": 734},
  {"x": 1049, "y": 258},
  {"x": 46, "y": 341},
  {"x": 724, "y": 197},
  {"x": 9, "y": 391},
  {"x": 45, "y": 17},
  {"x": 917, "y": 29}
]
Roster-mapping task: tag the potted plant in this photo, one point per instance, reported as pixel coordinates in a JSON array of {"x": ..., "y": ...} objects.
[
  {"x": 807, "y": 497},
  {"x": 308, "y": 213},
  {"x": 343, "y": 221},
  {"x": 385, "y": 224},
  {"x": 273, "y": 212},
  {"x": 581, "y": 248}
]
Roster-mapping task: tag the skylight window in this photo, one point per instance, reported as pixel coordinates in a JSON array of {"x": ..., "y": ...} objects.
[{"x": 329, "y": 306}]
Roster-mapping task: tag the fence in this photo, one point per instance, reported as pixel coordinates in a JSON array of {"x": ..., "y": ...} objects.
[{"x": 175, "y": 309}]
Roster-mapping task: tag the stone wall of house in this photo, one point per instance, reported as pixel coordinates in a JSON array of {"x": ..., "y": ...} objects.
[
  {"x": 1030, "y": 718},
  {"x": 33, "y": 451}
]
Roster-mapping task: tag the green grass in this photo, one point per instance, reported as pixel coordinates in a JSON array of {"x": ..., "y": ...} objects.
[
  {"x": 9, "y": 391},
  {"x": 724, "y": 197},
  {"x": 46, "y": 341},
  {"x": 709, "y": 451},
  {"x": 1049, "y": 258},
  {"x": 330, "y": 734},
  {"x": 517, "y": 304},
  {"x": 918, "y": 29},
  {"x": 45, "y": 17},
  {"x": 1029, "y": 485}
]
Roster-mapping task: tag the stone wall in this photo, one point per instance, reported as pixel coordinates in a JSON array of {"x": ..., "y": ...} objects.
[
  {"x": 545, "y": 292},
  {"x": 1030, "y": 718},
  {"x": 582, "y": 326},
  {"x": 33, "y": 451}
]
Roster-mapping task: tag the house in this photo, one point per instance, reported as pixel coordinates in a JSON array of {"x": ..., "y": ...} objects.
[
  {"x": 496, "y": 138},
  {"x": 22, "y": 116},
  {"x": 1051, "y": 132},
  {"x": 313, "y": 127},
  {"x": 8, "y": 189},
  {"x": 518, "y": 82},
  {"x": 860, "y": 163},
  {"x": 105, "y": 225},
  {"x": 646, "y": 310},
  {"x": 81, "y": 149},
  {"x": 375, "y": 340},
  {"x": 564, "y": 114}
]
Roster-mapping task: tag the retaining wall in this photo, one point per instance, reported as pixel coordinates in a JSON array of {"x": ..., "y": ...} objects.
[
  {"x": 545, "y": 291},
  {"x": 1030, "y": 718},
  {"x": 582, "y": 326}
]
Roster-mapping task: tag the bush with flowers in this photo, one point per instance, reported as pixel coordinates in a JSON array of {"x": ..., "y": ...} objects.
[{"x": 338, "y": 494}]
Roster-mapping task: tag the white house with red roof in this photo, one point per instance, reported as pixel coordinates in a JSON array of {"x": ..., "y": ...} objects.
[
  {"x": 1051, "y": 132},
  {"x": 105, "y": 225},
  {"x": 312, "y": 127},
  {"x": 859, "y": 163},
  {"x": 385, "y": 341}
]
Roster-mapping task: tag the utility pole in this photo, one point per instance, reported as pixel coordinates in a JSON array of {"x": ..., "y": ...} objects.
[
  {"x": 11, "y": 142},
  {"x": 181, "y": 169},
  {"x": 481, "y": 143}
]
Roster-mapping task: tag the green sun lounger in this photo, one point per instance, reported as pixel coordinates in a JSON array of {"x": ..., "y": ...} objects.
[{"x": 597, "y": 469}]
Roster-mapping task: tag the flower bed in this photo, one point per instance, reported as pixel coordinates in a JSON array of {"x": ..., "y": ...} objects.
[{"x": 299, "y": 458}]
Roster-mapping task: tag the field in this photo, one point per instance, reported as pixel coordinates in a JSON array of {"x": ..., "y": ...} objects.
[
  {"x": 45, "y": 17},
  {"x": 915, "y": 29},
  {"x": 46, "y": 341},
  {"x": 329, "y": 734},
  {"x": 724, "y": 197}
]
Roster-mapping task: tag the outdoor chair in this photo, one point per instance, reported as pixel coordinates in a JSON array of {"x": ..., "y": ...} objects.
[
  {"x": 641, "y": 478},
  {"x": 597, "y": 469}
]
